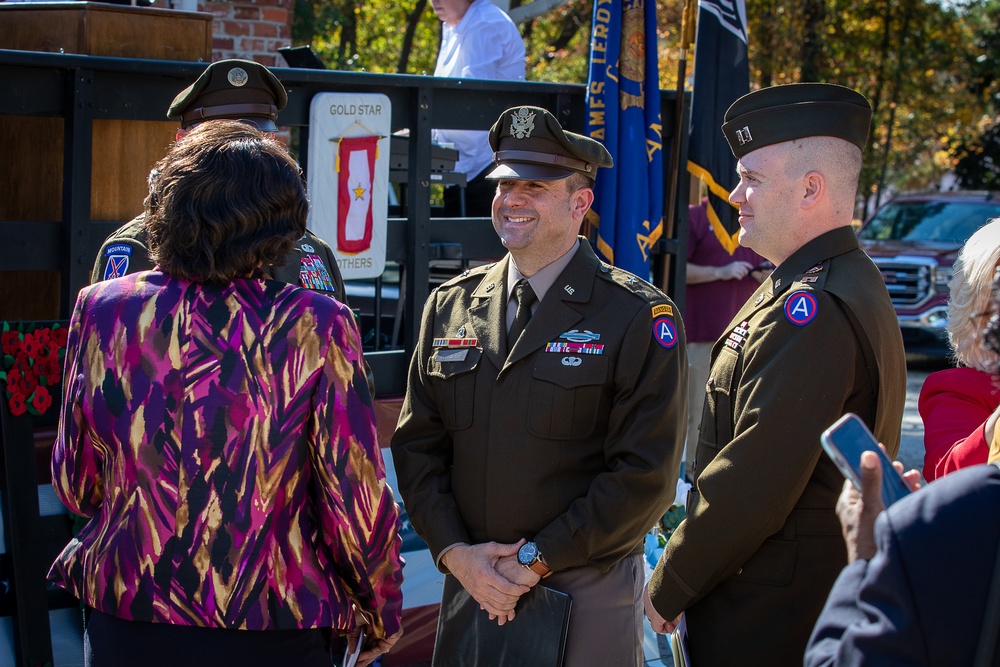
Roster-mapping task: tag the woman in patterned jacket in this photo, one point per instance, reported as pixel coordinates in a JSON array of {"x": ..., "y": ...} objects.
[{"x": 218, "y": 428}]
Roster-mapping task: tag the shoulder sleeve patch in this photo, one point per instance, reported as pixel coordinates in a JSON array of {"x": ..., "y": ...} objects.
[
  {"x": 665, "y": 332},
  {"x": 663, "y": 309},
  {"x": 801, "y": 308}
]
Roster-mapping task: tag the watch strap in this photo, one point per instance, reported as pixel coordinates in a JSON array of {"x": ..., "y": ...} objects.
[{"x": 540, "y": 568}]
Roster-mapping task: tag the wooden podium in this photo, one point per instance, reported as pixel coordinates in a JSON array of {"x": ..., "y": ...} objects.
[{"x": 123, "y": 151}]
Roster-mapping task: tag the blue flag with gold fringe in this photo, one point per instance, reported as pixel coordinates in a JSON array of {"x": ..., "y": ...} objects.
[
  {"x": 623, "y": 113},
  {"x": 721, "y": 76}
]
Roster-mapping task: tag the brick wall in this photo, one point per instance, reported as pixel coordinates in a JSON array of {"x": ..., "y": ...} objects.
[{"x": 251, "y": 29}]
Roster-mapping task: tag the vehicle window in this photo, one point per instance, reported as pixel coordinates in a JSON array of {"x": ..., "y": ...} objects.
[{"x": 945, "y": 222}]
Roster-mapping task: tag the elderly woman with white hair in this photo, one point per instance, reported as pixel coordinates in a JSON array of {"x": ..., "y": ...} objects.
[{"x": 955, "y": 404}]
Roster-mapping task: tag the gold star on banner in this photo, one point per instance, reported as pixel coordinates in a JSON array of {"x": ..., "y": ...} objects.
[{"x": 359, "y": 192}]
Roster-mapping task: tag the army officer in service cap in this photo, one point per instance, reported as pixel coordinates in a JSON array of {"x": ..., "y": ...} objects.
[
  {"x": 240, "y": 90},
  {"x": 751, "y": 565},
  {"x": 543, "y": 425}
]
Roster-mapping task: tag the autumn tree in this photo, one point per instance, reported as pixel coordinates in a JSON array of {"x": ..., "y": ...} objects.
[{"x": 929, "y": 68}]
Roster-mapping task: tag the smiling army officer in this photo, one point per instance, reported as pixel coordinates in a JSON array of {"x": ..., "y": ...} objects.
[
  {"x": 548, "y": 457},
  {"x": 241, "y": 90},
  {"x": 751, "y": 565}
]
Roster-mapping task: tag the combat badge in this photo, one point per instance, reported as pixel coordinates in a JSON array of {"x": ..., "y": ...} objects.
[
  {"x": 801, "y": 308},
  {"x": 118, "y": 256},
  {"x": 665, "y": 332}
]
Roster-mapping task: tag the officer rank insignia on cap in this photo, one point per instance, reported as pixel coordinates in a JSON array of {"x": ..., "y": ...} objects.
[
  {"x": 238, "y": 76},
  {"x": 522, "y": 123},
  {"x": 795, "y": 111}
]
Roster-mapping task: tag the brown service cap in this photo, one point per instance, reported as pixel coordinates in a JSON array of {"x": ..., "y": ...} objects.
[
  {"x": 239, "y": 89},
  {"x": 795, "y": 111},
  {"x": 530, "y": 145}
]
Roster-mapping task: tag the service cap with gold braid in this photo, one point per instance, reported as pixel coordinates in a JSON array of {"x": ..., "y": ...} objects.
[
  {"x": 529, "y": 144},
  {"x": 237, "y": 89},
  {"x": 796, "y": 111}
]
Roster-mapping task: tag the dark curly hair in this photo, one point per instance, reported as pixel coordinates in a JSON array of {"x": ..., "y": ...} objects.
[{"x": 225, "y": 200}]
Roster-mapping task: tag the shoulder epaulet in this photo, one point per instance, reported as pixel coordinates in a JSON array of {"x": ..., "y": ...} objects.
[
  {"x": 131, "y": 231},
  {"x": 632, "y": 283},
  {"x": 813, "y": 277},
  {"x": 468, "y": 274}
]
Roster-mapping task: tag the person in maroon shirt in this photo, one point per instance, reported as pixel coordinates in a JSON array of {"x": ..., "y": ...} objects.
[{"x": 717, "y": 285}]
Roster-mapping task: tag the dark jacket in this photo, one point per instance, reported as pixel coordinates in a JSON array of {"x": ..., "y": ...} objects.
[
  {"x": 578, "y": 451},
  {"x": 761, "y": 546},
  {"x": 310, "y": 264},
  {"x": 922, "y": 598}
]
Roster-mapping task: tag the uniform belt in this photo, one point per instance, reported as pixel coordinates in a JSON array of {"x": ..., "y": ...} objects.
[{"x": 803, "y": 522}]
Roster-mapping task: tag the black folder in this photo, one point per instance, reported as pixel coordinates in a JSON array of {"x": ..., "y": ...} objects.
[{"x": 535, "y": 638}]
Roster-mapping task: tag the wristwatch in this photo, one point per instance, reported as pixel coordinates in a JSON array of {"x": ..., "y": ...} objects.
[{"x": 530, "y": 557}]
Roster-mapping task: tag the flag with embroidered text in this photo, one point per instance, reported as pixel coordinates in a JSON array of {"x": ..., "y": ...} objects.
[
  {"x": 721, "y": 76},
  {"x": 356, "y": 168},
  {"x": 623, "y": 113}
]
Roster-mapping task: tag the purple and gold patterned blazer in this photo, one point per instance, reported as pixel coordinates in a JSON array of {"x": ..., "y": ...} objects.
[{"x": 223, "y": 439}]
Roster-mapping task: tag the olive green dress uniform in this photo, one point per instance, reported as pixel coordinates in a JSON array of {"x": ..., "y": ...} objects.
[
  {"x": 577, "y": 451},
  {"x": 762, "y": 546},
  {"x": 310, "y": 264}
]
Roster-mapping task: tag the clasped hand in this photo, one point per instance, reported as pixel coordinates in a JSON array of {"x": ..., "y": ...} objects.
[{"x": 492, "y": 576}]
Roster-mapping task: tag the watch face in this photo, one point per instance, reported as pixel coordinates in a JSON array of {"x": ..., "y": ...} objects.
[{"x": 527, "y": 554}]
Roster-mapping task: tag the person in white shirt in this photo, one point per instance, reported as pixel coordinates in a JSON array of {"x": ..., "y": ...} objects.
[{"x": 479, "y": 41}]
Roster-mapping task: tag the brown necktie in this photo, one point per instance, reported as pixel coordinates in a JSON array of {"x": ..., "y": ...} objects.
[{"x": 525, "y": 297}]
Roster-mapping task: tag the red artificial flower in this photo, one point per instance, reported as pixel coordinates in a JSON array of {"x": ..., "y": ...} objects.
[
  {"x": 60, "y": 336},
  {"x": 17, "y": 404},
  {"x": 30, "y": 345},
  {"x": 30, "y": 382},
  {"x": 22, "y": 361},
  {"x": 42, "y": 337},
  {"x": 42, "y": 400},
  {"x": 10, "y": 341},
  {"x": 14, "y": 379},
  {"x": 49, "y": 369}
]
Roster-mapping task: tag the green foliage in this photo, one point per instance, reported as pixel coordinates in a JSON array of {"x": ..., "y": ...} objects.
[
  {"x": 978, "y": 163},
  {"x": 930, "y": 68}
]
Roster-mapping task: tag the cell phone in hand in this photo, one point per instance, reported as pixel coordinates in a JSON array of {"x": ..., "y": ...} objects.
[{"x": 844, "y": 442}]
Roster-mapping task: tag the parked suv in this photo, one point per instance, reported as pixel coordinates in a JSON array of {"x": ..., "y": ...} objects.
[{"x": 914, "y": 240}]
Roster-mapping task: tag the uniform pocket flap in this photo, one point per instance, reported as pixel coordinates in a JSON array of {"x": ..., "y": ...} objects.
[{"x": 447, "y": 363}]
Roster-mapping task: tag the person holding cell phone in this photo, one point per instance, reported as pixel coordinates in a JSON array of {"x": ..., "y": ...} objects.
[{"x": 924, "y": 575}]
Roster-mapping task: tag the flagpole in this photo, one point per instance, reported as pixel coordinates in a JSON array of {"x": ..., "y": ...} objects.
[{"x": 688, "y": 18}]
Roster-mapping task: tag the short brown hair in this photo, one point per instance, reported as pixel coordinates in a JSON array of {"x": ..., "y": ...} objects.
[
  {"x": 576, "y": 181},
  {"x": 225, "y": 200}
]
